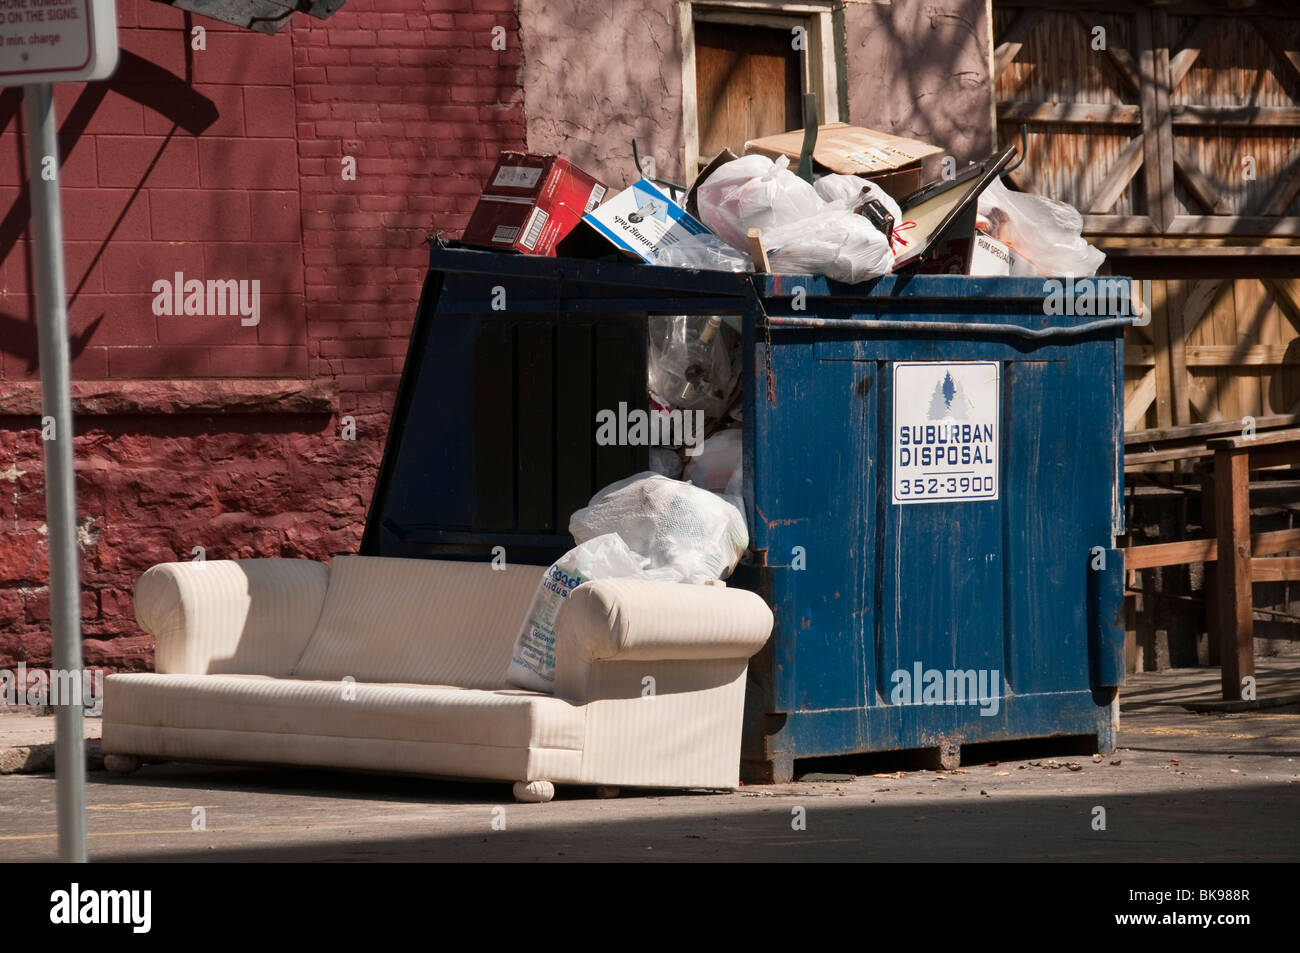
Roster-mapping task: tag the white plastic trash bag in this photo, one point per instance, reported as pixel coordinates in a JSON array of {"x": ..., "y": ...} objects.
[
  {"x": 1048, "y": 233},
  {"x": 853, "y": 191},
  {"x": 532, "y": 663},
  {"x": 718, "y": 463},
  {"x": 838, "y": 243},
  {"x": 696, "y": 535},
  {"x": 754, "y": 192}
]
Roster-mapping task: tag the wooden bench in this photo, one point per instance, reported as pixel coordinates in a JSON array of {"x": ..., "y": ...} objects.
[{"x": 1234, "y": 559}]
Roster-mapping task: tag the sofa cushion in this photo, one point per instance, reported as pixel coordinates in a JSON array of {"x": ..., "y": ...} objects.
[
  {"x": 423, "y": 713},
  {"x": 426, "y": 621}
]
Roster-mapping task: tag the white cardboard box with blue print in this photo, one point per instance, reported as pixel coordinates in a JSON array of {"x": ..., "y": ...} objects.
[{"x": 639, "y": 222}]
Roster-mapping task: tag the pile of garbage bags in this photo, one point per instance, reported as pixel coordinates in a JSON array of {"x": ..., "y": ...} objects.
[{"x": 804, "y": 228}]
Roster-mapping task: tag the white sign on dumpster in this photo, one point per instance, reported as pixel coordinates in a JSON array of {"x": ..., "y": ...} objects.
[
  {"x": 946, "y": 441},
  {"x": 52, "y": 41}
]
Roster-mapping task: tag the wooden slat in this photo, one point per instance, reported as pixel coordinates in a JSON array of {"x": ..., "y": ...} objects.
[
  {"x": 1202, "y": 189},
  {"x": 1211, "y": 429},
  {"x": 1162, "y": 118},
  {"x": 1012, "y": 40},
  {"x": 1277, "y": 569},
  {"x": 1171, "y": 554},
  {"x": 1120, "y": 58},
  {"x": 1236, "y": 622},
  {"x": 1289, "y": 60},
  {"x": 1151, "y": 117},
  {"x": 1195, "y": 114},
  {"x": 1229, "y": 355},
  {"x": 1274, "y": 438},
  {"x": 1118, "y": 176},
  {"x": 1287, "y": 226},
  {"x": 1146, "y": 458},
  {"x": 1189, "y": 551},
  {"x": 1135, "y": 407},
  {"x": 1112, "y": 114},
  {"x": 1191, "y": 45},
  {"x": 1284, "y": 190},
  {"x": 1277, "y": 541}
]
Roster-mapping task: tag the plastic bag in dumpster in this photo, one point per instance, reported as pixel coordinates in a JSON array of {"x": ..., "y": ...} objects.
[
  {"x": 693, "y": 363},
  {"x": 532, "y": 663},
  {"x": 697, "y": 535},
  {"x": 854, "y": 191},
  {"x": 718, "y": 466},
  {"x": 838, "y": 243},
  {"x": 705, "y": 251},
  {"x": 754, "y": 192},
  {"x": 1048, "y": 233}
]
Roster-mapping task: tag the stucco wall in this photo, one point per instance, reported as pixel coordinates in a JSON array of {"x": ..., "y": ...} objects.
[
  {"x": 920, "y": 68},
  {"x": 598, "y": 73}
]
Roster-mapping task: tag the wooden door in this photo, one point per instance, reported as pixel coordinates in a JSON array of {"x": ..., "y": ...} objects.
[{"x": 1174, "y": 130}]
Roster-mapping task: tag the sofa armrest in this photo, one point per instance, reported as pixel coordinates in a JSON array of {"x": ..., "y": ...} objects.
[
  {"x": 641, "y": 620},
  {"x": 246, "y": 616}
]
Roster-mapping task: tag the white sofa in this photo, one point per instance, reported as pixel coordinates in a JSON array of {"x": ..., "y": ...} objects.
[{"x": 397, "y": 665}]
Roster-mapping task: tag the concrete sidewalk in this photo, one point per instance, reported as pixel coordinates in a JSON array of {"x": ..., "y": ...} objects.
[{"x": 1182, "y": 787}]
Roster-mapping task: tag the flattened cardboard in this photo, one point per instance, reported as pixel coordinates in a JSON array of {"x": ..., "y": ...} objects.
[{"x": 851, "y": 150}]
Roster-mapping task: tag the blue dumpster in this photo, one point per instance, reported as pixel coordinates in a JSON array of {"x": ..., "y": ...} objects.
[{"x": 933, "y": 479}]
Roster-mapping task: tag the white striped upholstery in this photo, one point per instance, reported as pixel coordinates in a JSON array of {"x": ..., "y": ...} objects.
[
  {"x": 650, "y": 677},
  {"x": 249, "y": 616},
  {"x": 430, "y": 621},
  {"x": 426, "y": 713}
]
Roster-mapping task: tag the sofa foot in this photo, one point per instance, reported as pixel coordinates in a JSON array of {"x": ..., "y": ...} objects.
[
  {"x": 121, "y": 763},
  {"x": 606, "y": 790},
  {"x": 534, "y": 792}
]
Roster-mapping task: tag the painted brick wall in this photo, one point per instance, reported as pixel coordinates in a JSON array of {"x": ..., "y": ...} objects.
[{"x": 227, "y": 163}]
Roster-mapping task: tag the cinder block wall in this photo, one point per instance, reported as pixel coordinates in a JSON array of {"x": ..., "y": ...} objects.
[{"x": 228, "y": 163}]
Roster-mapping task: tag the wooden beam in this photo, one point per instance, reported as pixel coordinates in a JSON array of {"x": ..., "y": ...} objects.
[
  {"x": 1135, "y": 407},
  {"x": 1236, "y": 622},
  {"x": 1112, "y": 114},
  {"x": 1118, "y": 176},
  {"x": 1277, "y": 569},
  {"x": 1202, "y": 189},
  {"x": 1013, "y": 40},
  {"x": 1189, "y": 551},
  {"x": 1119, "y": 57},
  {"x": 1240, "y": 442},
  {"x": 1236, "y": 355},
  {"x": 1170, "y": 554},
  {"x": 1284, "y": 190},
  {"x": 1212, "y": 429},
  {"x": 1188, "y": 114},
  {"x": 1182, "y": 61},
  {"x": 1288, "y": 60}
]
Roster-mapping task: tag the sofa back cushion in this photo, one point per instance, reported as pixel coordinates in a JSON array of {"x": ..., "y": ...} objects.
[{"x": 427, "y": 621}]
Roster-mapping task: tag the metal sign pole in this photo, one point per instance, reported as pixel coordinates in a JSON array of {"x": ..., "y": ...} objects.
[{"x": 60, "y": 475}]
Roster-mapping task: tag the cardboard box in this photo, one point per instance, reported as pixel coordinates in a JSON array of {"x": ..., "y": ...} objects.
[
  {"x": 530, "y": 203},
  {"x": 892, "y": 162},
  {"x": 639, "y": 222}
]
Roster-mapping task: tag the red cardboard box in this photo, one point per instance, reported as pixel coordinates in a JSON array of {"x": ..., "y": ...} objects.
[{"x": 530, "y": 203}]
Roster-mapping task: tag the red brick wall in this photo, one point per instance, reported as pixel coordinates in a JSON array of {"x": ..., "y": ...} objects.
[{"x": 227, "y": 163}]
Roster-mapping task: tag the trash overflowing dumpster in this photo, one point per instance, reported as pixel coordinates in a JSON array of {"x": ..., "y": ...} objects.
[{"x": 930, "y": 473}]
